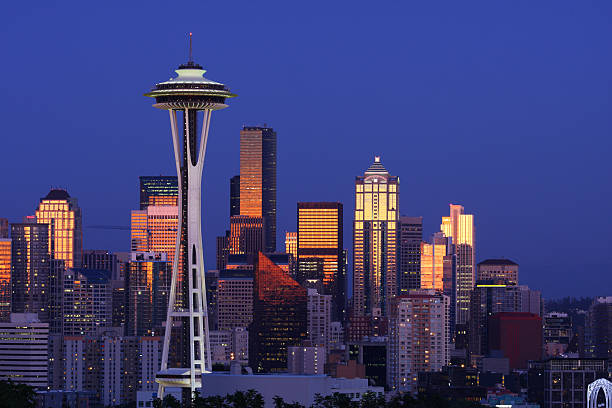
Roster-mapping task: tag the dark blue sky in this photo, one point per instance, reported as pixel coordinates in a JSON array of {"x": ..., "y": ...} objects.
[{"x": 502, "y": 106}]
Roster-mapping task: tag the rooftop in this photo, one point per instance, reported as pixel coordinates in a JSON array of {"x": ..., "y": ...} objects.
[
  {"x": 501, "y": 261},
  {"x": 57, "y": 194},
  {"x": 377, "y": 167}
]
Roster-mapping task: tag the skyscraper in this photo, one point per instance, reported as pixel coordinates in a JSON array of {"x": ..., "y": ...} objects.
[
  {"x": 235, "y": 196},
  {"x": 30, "y": 269},
  {"x": 320, "y": 235},
  {"x": 101, "y": 259},
  {"x": 234, "y": 298},
  {"x": 258, "y": 179},
  {"x": 158, "y": 190},
  {"x": 279, "y": 316},
  {"x": 87, "y": 301},
  {"x": 147, "y": 286},
  {"x": 375, "y": 239},
  {"x": 497, "y": 269},
  {"x": 246, "y": 235},
  {"x": 460, "y": 227},
  {"x": 419, "y": 337},
  {"x": 291, "y": 243},
  {"x": 5, "y": 279},
  {"x": 154, "y": 230},
  {"x": 411, "y": 235},
  {"x": 63, "y": 215}
]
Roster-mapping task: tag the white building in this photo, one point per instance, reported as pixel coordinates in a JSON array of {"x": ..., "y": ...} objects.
[
  {"x": 150, "y": 361},
  {"x": 306, "y": 359},
  {"x": 229, "y": 345},
  {"x": 291, "y": 388},
  {"x": 319, "y": 318},
  {"x": 418, "y": 337},
  {"x": 23, "y": 350},
  {"x": 111, "y": 370}
]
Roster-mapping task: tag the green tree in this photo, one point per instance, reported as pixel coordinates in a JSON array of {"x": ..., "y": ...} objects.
[
  {"x": 249, "y": 399},
  {"x": 335, "y": 400},
  {"x": 16, "y": 395},
  {"x": 280, "y": 403},
  {"x": 168, "y": 402}
]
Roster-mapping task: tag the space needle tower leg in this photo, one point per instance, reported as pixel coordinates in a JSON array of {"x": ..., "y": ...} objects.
[{"x": 193, "y": 97}]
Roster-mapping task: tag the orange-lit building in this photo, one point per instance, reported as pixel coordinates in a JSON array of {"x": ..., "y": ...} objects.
[
  {"x": 63, "y": 215},
  {"x": 30, "y": 268},
  {"x": 460, "y": 227},
  {"x": 246, "y": 235},
  {"x": 158, "y": 190},
  {"x": 279, "y": 316},
  {"x": 154, "y": 230},
  {"x": 375, "y": 240},
  {"x": 258, "y": 179},
  {"x": 291, "y": 244},
  {"x": 5, "y": 279},
  {"x": 320, "y": 236}
]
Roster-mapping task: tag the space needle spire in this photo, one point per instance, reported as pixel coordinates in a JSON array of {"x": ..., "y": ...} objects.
[{"x": 190, "y": 100}]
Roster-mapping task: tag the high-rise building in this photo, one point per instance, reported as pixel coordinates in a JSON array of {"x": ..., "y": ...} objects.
[
  {"x": 101, "y": 259},
  {"x": 599, "y": 330},
  {"x": 158, "y": 190},
  {"x": 419, "y": 336},
  {"x": 4, "y": 228},
  {"x": 234, "y": 196},
  {"x": 258, "y": 179},
  {"x": 23, "y": 350},
  {"x": 63, "y": 215},
  {"x": 154, "y": 230},
  {"x": 5, "y": 279},
  {"x": 557, "y": 332},
  {"x": 437, "y": 265},
  {"x": 30, "y": 268},
  {"x": 320, "y": 235},
  {"x": 147, "y": 287},
  {"x": 411, "y": 236},
  {"x": 246, "y": 235},
  {"x": 319, "y": 319},
  {"x": 375, "y": 239},
  {"x": 234, "y": 299},
  {"x": 491, "y": 297},
  {"x": 498, "y": 269},
  {"x": 460, "y": 227},
  {"x": 279, "y": 316},
  {"x": 223, "y": 250},
  {"x": 291, "y": 244},
  {"x": 87, "y": 301}
]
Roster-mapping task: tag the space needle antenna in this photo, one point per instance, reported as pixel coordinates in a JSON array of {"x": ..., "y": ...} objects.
[{"x": 190, "y": 58}]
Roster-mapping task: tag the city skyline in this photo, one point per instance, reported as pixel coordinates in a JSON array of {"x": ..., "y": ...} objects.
[{"x": 536, "y": 157}]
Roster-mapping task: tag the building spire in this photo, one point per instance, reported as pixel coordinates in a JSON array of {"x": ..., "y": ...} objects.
[{"x": 190, "y": 55}]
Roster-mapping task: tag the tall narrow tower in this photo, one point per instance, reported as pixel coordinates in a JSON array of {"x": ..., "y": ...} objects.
[{"x": 190, "y": 98}]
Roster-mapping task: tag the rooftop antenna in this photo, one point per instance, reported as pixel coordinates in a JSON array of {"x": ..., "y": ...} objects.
[{"x": 190, "y": 59}]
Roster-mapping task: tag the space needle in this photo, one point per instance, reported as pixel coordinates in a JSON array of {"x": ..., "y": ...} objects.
[{"x": 190, "y": 99}]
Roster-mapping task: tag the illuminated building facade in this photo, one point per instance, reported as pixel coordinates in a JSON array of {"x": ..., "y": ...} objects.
[
  {"x": 147, "y": 286},
  {"x": 375, "y": 239},
  {"x": 87, "y": 301},
  {"x": 234, "y": 196},
  {"x": 154, "y": 230},
  {"x": 246, "y": 235},
  {"x": 291, "y": 249},
  {"x": 158, "y": 190},
  {"x": 279, "y": 317},
  {"x": 460, "y": 227},
  {"x": 419, "y": 336},
  {"x": 30, "y": 269},
  {"x": 258, "y": 179},
  {"x": 63, "y": 215},
  {"x": 498, "y": 269},
  {"x": 320, "y": 235},
  {"x": 5, "y": 279},
  {"x": 411, "y": 235},
  {"x": 234, "y": 298}
]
